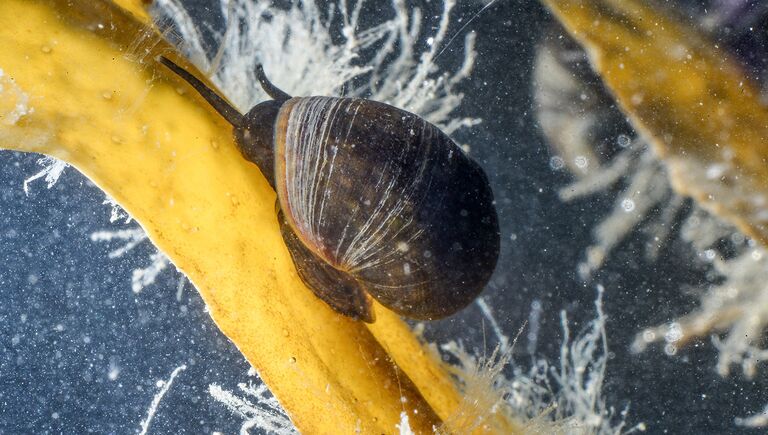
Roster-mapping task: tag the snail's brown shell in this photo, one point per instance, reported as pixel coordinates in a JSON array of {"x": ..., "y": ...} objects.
[{"x": 384, "y": 199}]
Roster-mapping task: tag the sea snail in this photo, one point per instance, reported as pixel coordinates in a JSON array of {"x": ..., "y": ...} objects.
[{"x": 373, "y": 201}]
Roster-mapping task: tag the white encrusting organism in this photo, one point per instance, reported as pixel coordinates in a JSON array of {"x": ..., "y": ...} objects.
[
  {"x": 733, "y": 309},
  {"x": 16, "y": 101}
]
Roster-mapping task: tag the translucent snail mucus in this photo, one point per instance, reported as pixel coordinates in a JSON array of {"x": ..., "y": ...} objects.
[{"x": 373, "y": 201}]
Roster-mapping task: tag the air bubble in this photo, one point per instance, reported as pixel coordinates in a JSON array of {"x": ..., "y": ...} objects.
[
  {"x": 623, "y": 140},
  {"x": 649, "y": 336},
  {"x": 628, "y": 205},
  {"x": 556, "y": 163}
]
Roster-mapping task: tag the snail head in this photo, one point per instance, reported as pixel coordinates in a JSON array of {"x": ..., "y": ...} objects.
[{"x": 254, "y": 131}]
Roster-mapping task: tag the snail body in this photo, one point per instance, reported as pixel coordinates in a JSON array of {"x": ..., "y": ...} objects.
[{"x": 373, "y": 201}]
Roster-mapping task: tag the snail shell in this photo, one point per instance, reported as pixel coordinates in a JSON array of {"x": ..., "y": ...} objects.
[
  {"x": 388, "y": 200},
  {"x": 373, "y": 201}
]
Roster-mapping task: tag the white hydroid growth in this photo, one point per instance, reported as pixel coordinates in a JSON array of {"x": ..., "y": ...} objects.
[
  {"x": 142, "y": 276},
  {"x": 164, "y": 387},
  {"x": 52, "y": 170},
  {"x": 736, "y": 307},
  {"x": 256, "y": 406},
  {"x": 565, "y": 398},
  {"x": 306, "y": 51}
]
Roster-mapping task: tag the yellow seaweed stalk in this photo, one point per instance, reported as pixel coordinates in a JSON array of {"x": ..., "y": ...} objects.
[{"x": 80, "y": 84}]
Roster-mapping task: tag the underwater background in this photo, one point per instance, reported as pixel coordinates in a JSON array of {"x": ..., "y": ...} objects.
[{"x": 83, "y": 352}]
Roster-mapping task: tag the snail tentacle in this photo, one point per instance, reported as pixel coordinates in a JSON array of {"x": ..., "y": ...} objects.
[
  {"x": 232, "y": 115},
  {"x": 273, "y": 91}
]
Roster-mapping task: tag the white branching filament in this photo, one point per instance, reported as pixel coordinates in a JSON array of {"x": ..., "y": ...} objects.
[
  {"x": 52, "y": 170},
  {"x": 301, "y": 52},
  {"x": 564, "y": 398},
  {"x": 141, "y": 277},
  {"x": 164, "y": 387},
  {"x": 256, "y": 406}
]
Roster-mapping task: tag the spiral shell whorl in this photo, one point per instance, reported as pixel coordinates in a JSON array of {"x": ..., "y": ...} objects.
[{"x": 386, "y": 197}]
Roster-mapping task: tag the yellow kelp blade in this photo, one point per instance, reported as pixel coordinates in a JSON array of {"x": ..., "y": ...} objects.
[
  {"x": 79, "y": 83},
  {"x": 686, "y": 95}
]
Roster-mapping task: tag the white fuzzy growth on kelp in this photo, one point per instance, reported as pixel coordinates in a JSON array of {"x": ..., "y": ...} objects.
[
  {"x": 307, "y": 54},
  {"x": 16, "y": 105},
  {"x": 733, "y": 310},
  {"x": 736, "y": 305},
  {"x": 562, "y": 398}
]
